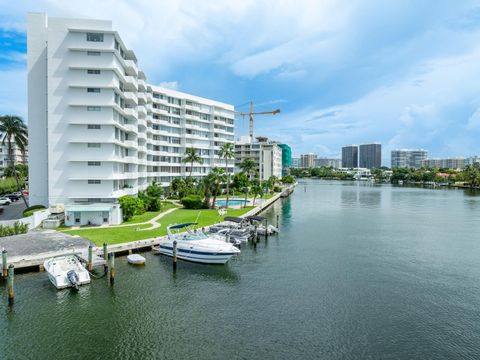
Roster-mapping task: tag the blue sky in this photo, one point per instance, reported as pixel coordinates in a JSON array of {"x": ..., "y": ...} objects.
[{"x": 403, "y": 73}]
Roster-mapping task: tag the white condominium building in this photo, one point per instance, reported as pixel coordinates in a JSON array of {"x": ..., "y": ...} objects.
[
  {"x": 266, "y": 154},
  {"x": 98, "y": 130},
  {"x": 408, "y": 158},
  {"x": 18, "y": 156}
]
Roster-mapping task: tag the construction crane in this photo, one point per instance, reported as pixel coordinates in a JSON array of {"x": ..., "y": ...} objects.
[{"x": 250, "y": 115}]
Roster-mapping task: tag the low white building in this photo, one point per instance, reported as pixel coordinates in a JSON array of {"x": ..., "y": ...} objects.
[
  {"x": 266, "y": 154},
  {"x": 98, "y": 130}
]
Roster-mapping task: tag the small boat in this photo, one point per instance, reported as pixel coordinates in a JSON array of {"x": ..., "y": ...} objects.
[
  {"x": 66, "y": 271},
  {"x": 196, "y": 246},
  {"x": 136, "y": 259}
]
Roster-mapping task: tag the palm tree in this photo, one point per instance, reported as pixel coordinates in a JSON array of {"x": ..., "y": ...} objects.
[
  {"x": 191, "y": 157},
  {"x": 246, "y": 190},
  {"x": 14, "y": 130},
  {"x": 218, "y": 176},
  {"x": 257, "y": 190},
  {"x": 248, "y": 166},
  {"x": 227, "y": 152}
]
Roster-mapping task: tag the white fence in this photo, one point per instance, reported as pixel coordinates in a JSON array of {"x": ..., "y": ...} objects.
[{"x": 32, "y": 221}]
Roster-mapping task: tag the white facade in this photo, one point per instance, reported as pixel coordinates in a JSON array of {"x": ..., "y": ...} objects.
[
  {"x": 266, "y": 154},
  {"x": 97, "y": 129},
  {"x": 408, "y": 158},
  {"x": 18, "y": 156}
]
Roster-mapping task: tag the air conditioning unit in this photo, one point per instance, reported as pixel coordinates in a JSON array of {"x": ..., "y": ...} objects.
[{"x": 57, "y": 209}]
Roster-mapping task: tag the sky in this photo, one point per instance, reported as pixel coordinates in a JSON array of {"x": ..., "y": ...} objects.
[{"x": 403, "y": 73}]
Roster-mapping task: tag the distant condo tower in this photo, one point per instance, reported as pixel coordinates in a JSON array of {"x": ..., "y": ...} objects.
[
  {"x": 370, "y": 156},
  {"x": 350, "y": 156},
  {"x": 408, "y": 158}
]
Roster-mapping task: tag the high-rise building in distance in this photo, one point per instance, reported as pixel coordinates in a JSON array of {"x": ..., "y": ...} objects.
[
  {"x": 334, "y": 163},
  {"x": 408, "y": 158},
  {"x": 350, "y": 156},
  {"x": 307, "y": 160},
  {"x": 370, "y": 156},
  {"x": 447, "y": 163}
]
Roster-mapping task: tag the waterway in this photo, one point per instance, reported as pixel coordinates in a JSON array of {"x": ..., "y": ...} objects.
[{"x": 359, "y": 271}]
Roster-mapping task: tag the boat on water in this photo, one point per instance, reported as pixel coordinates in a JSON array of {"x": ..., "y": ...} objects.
[
  {"x": 261, "y": 229},
  {"x": 239, "y": 228},
  {"x": 136, "y": 259},
  {"x": 66, "y": 271},
  {"x": 196, "y": 246}
]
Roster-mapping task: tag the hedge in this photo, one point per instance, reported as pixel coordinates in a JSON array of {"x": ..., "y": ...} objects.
[
  {"x": 192, "y": 202},
  {"x": 31, "y": 209}
]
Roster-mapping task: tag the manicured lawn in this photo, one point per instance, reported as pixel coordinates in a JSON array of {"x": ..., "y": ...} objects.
[
  {"x": 131, "y": 233},
  {"x": 149, "y": 215}
]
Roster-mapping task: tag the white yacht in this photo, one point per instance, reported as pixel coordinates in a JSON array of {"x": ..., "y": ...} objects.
[
  {"x": 196, "y": 246},
  {"x": 66, "y": 271}
]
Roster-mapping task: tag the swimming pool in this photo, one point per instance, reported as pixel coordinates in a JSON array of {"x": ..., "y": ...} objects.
[{"x": 231, "y": 202}]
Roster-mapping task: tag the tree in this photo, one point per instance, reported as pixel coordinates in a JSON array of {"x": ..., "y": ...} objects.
[
  {"x": 273, "y": 181},
  {"x": 240, "y": 180},
  {"x": 472, "y": 175},
  {"x": 151, "y": 197},
  {"x": 227, "y": 152},
  {"x": 248, "y": 166},
  {"x": 257, "y": 190},
  {"x": 246, "y": 190},
  {"x": 14, "y": 130},
  {"x": 191, "y": 157},
  {"x": 218, "y": 176},
  {"x": 131, "y": 206}
]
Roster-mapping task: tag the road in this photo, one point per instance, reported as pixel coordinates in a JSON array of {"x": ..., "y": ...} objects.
[{"x": 13, "y": 211}]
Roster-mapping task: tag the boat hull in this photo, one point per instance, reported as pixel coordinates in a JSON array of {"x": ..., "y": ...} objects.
[
  {"x": 58, "y": 274},
  {"x": 197, "y": 256}
]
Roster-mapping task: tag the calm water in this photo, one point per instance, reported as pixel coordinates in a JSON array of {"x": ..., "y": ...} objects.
[{"x": 358, "y": 271}]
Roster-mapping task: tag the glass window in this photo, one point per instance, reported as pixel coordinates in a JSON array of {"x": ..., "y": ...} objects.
[
  {"x": 93, "y": 53},
  {"x": 93, "y": 127},
  {"x": 94, "y": 37},
  {"x": 94, "y": 108},
  {"x": 93, "y": 145},
  {"x": 94, "y": 182},
  {"x": 94, "y": 163},
  {"x": 93, "y": 90},
  {"x": 93, "y": 72}
]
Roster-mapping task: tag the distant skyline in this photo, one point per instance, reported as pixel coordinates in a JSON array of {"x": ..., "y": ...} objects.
[{"x": 402, "y": 73}]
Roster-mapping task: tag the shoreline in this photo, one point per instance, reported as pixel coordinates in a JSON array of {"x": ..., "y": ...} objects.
[{"x": 34, "y": 262}]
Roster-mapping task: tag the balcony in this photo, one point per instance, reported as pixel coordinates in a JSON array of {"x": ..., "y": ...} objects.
[
  {"x": 141, "y": 111},
  {"x": 131, "y": 67},
  {"x": 130, "y": 98},
  {"x": 130, "y": 112},
  {"x": 131, "y": 83},
  {"x": 142, "y": 98}
]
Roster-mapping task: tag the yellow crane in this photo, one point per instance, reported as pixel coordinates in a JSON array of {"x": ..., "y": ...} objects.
[{"x": 250, "y": 115}]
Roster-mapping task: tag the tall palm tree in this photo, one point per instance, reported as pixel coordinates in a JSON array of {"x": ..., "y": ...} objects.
[
  {"x": 218, "y": 176},
  {"x": 191, "y": 157},
  {"x": 248, "y": 166},
  {"x": 257, "y": 190},
  {"x": 227, "y": 152},
  {"x": 14, "y": 130}
]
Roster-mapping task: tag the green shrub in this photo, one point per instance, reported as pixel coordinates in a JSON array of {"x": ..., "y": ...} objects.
[
  {"x": 31, "y": 209},
  {"x": 277, "y": 189},
  {"x": 289, "y": 179},
  {"x": 131, "y": 206},
  {"x": 17, "y": 228},
  {"x": 192, "y": 202}
]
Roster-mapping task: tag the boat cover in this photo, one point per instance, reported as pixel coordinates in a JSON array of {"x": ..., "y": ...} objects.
[
  {"x": 256, "y": 218},
  {"x": 233, "y": 219}
]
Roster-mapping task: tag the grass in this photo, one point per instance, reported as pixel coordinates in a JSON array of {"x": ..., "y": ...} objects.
[
  {"x": 131, "y": 233},
  {"x": 149, "y": 215}
]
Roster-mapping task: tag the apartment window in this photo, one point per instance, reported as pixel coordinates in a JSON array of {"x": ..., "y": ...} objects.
[
  {"x": 94, "y": 182},
  {"x": 94, "y": 108},
  {"x": 93, "y": 72},
  {"x": 94, "y": 127},
  {"x": 94, "y": 37},
  {"x": 94, "y": 163},
  {"x": 93, "y": 145},
  {"x": 93, "y": 53},
  {"x": 93, "y": 90}
]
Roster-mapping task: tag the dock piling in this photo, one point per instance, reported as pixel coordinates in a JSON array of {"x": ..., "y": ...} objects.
[
  {"x": 10, "y": 284},
  {"x": 266, "y": 229},
  {"x": 4, "y": 264},
  {"x": 105, "y": 256},
  {"x": 174, "y": 255},
  {"x": 278, "y": 216},
  {"x": 111, "y": 265},
  {"x": 90, "y": 258}
]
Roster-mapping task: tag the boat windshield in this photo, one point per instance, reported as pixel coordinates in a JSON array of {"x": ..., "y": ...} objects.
[{"x": 191, "y": 236}]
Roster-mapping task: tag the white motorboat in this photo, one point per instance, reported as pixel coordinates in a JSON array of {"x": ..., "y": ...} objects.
[
  {"x": 196, "y": 246},
  {"x": 66, "y": 271}
]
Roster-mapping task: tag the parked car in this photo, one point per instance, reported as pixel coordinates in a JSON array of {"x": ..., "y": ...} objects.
[
  {"x": 5, "y": 201},
  {"x": 13, "y": 197}
]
